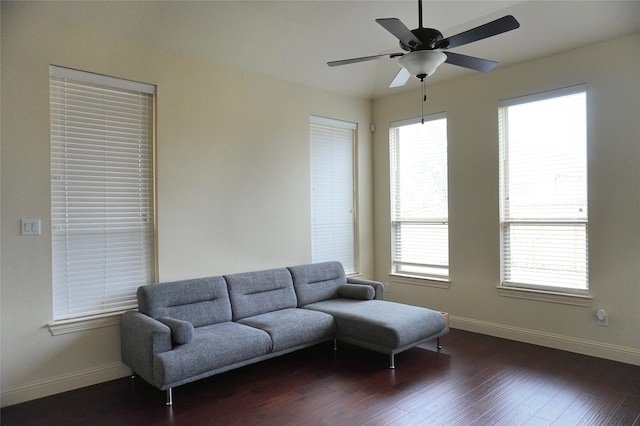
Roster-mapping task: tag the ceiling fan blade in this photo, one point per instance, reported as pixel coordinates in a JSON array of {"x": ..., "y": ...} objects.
[
  {"x": 400, "y": 30},
  {"x": 471, "y": 62},
  {"x": 401, "y": 78},
  {"x": 362, "y": 59},
  {"x": 490, "y": 29}
]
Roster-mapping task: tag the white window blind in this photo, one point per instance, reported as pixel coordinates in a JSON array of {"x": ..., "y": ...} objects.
[
  {"x": 543, "y": 173},
  {"x": 102, "y": 192},
  {"x": 419, "y": 197},
  {"x": 333, "y": 235}
]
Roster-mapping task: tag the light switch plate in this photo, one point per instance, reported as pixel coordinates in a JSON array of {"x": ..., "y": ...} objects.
[{"x": 30, "y": 227}]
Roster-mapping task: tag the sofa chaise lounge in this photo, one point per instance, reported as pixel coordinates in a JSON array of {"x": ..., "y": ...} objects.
[{"x": 191, "y": 329}]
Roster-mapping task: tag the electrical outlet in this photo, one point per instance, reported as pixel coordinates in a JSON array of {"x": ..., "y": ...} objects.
[{"x": 603, "y": 318}]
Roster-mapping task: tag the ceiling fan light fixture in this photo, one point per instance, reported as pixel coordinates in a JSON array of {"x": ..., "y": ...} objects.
[{"x": 422, "y": 62}]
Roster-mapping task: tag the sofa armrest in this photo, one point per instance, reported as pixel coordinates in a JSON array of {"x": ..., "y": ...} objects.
[
  {"x": 377, "y": 286},
  {"x": 181, "y": 331},
  {"x": 142, "y": 337}
]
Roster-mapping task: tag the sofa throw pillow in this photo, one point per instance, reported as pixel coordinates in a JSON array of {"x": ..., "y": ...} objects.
[
  {"x": 356, "y": 291},
  {"x": 181, "y": 331}
]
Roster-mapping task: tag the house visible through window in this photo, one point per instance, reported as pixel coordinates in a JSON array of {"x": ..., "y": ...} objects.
[
  {"x": 419, "y": 197},
  {"x": 102, "y": 192},
  {"x": 543, "y": 174},
  {"x": 333, "y": 206}
]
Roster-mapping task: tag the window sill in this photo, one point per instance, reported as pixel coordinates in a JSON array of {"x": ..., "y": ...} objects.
[
  {"x": 545, "y": 296},
  {"x": 421, "y": 281},
  {"x": 75, "y": 325}
]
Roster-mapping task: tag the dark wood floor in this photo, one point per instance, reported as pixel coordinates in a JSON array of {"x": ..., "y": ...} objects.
[{"x": 474, "y": 380}]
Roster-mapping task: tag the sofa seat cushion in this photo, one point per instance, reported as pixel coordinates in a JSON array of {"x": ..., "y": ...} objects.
[
  {"x": 381, "y": 323},
  {"x": 212, "y": 347},
  {"x": 293, "y": 327}
]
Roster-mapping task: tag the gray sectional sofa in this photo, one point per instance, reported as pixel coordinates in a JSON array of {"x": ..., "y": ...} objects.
[{"x": 188, "y": 330}]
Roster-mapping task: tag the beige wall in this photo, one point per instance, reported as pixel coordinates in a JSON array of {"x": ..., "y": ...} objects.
[
  {"x": 232, "y": 174},
  {"x": 233, "y": 179},
  {"x": 611, "y": 72}
]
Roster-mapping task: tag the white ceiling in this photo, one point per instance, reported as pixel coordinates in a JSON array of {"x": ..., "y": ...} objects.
[{"x": 293, "y": 40}]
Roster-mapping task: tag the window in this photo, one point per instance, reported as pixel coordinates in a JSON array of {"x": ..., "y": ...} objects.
[
  {"x": 543, "y": 174},
  {"x": 333, "y": 207},
  {"x": 102, "y": 192},
  {"x": 419, "y": 197}
]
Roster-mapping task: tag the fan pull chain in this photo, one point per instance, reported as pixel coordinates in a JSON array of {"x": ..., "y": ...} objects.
[{"x": 424, "y": 98}]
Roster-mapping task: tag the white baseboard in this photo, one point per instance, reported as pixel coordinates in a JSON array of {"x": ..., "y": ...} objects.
[
  {"x": 557, "y": 341},
  {"x": 54, "y": 385}
]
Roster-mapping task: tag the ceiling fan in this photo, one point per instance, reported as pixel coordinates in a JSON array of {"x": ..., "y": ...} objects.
[{"x": 426, "y": 47}]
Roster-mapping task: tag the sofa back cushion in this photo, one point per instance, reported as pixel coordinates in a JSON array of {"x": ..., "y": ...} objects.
[
  {"x": 255, "y": 293},
  {"x": 201, "y": 301},
  {"x": 317, "y": 282}
]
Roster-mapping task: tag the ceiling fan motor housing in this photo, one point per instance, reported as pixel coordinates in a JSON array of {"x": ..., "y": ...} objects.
[{"x": 429, "y": 38}]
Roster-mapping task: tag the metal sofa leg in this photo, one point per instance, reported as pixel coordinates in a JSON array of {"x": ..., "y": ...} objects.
[
  {"x": 392, "y": 360},
  {"x": 335, "y": 344},
  {"x": 438, "y": 343},
  {"x": 169, "y": 397}
]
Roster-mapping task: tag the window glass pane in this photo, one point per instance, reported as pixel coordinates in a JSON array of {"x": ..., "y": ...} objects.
[
  {"x": 544, "y": 254},
  {"x": 422, "y": 248},
  {"x": 422, "y": 173},
  {"x": 547, "y": 159}
]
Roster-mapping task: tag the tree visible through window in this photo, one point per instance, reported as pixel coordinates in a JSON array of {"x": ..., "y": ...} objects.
[{"x": 543, "y": 173}]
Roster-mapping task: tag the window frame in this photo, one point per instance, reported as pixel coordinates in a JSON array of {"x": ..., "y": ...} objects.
[
  {"x": 65, "y": 319},
  {"x": 412, "y": 271},
  {"x": 349, "y": 257},
  {"x": 558, "y": 293}
]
